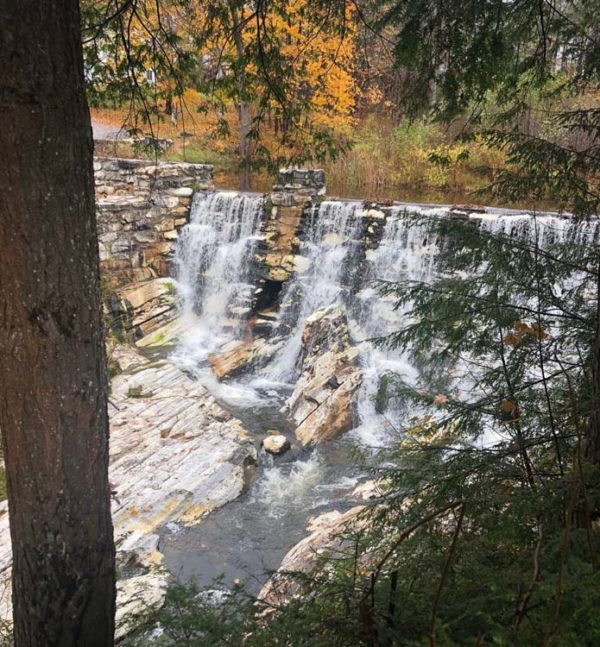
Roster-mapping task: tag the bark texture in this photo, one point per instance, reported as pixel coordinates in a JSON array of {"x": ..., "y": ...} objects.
[{"x": 53, "y": 392}]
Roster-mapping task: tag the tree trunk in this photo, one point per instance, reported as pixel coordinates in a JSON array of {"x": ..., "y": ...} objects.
[
  {"x": 592, "y": 441},
  {"x": 243, "y": 109},
  {"x": 53, "y": 397},
  {"x": 245, "y": 150}
]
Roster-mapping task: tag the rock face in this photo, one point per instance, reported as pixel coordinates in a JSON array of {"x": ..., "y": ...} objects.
[
  {"x": 276, "y": 444},
  {"x": 140, "y": 206},
  {"x": 321, "y": 405},
  {"x": 326, "y": 536},
  {"x": 175, "y": 454},
  {"x": 138, "y": 309}
]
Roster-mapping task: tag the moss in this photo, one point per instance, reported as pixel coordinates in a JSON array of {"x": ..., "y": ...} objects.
[
  {"x": 134, "y": 392},
  {"x": 158, "y": 339},
  {"x": 2, "y": 483},
  {"x": 113, "y": 368}
]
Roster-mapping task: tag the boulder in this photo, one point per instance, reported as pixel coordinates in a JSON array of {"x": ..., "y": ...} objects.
[
  {"x": 326, "y": 536},
  {"x": 321, "y": 405},
  {"x": 276, "y": 444},
  {"x": 234, "y": 357}
]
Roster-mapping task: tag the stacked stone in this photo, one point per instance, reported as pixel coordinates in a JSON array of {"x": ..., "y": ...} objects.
[
  {"x": 292, "y": 197},
  {"x": 114, "y": 175},
  {"x": 140, "y": 207},
  {"x": 300, "y": 181}
]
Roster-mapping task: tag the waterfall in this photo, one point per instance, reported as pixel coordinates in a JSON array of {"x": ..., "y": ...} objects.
[
  {"x": 330, "y": 248},
  {"x": 213, "y": 266},
  {"x": 547, "y": 228},
  {"x": 213, "y": 270},
  {"x": 407, "y": 251},
  {"x": 344, "y": 254}
]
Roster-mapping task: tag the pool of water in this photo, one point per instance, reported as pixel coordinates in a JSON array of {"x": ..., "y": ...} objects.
[{"x": 246, "y": 539}]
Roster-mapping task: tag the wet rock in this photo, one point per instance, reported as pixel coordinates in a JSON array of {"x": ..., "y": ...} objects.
[
  {"x": 234, "y": 357},
  {"x": 276, "y": 444},
  {"x": 281, "y": 266},
  {"x": 326, "y": 536},
  {"x": 321, "y": 405}
]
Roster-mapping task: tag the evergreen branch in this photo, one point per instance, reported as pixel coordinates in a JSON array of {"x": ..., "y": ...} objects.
[
  {"x": 407, "y": 532},
  {"x": 436, "y": 600}
]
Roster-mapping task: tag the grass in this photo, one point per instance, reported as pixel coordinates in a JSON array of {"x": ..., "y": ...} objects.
[{"x": 386, "y": 157}]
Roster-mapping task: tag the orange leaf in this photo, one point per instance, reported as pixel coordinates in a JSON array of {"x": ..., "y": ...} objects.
[
  {"x": 508, "y": 406},
  {"x": 512, "y": 339}
]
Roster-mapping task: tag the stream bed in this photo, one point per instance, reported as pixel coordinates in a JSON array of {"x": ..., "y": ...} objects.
[{"x": 246, "y": 539}]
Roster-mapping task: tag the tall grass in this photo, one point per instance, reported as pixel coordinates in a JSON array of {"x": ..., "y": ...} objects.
[{"x": 387, "y": 156}]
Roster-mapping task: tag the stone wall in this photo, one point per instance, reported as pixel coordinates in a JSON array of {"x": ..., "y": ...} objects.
[
  {"x": 294, "y": 193},
  {"x": 286, "y": 209},
  {"x": 140, "y": 206}
]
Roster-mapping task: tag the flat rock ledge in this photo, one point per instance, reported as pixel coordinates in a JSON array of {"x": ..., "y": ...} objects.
[{"x": 175, "y": 455}]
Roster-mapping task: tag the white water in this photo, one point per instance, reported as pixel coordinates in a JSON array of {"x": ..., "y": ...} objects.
[
  {"x": 330, "y": 246},
  {"x": 280, "y": 488},
  {"x": 407, "y": 251},
  {"x": 213, "y": 266},
  {"x": 546, "y": 229}
]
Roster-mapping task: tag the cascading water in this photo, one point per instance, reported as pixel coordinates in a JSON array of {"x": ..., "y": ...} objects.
[
  {"x": 213, "y": 265},
  {"x": 407, "y": 251},
  {"x": 329, "y": 249},
  {"x": 547, "y": 229}
]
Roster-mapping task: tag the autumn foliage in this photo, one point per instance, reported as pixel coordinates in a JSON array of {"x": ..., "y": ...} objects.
[{"x": 281, "y": 82}]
